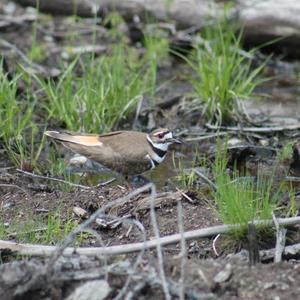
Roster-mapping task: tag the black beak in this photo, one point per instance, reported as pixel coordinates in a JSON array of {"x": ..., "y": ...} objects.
[{"x": 174, "y": 141}]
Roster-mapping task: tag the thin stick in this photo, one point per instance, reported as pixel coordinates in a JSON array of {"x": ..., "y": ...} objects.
[
  {"x": 40, "y": 250},
  {"x": 255, "y": 129},
  {"x": 54, "y": 179},
  {"x": 292, "y": 178},
  {"x": 214, "y": 245},
  {"x": 188, "y": 198},
  {"x": 158, "y": 245},
  {"x": 183, "y": 251},
  {"x": 207, "y": 180},
  {"x": 205, "y": 137},
  {"x": 14, "y": 234},
  {"x": 136, "y": 264}
]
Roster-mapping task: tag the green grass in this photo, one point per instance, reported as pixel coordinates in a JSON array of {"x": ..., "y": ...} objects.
[
  {"x": 224, "y": 73},
  {"x": 286, "y": 152},
  {"x": 15, "y": 115},
  {"x": 102, "y": 97},
  {"x": 3, "y": 230},
  {"x": 186, "y": 179},
  {"x": 241, "y": 200},
  {"x": 18, "y": 131},
  {"x": 37, "y": 53},
  {"x": 93, "y": 94},
  {"x": 36, "y": 229},
  {"x": 157, "y": 54}
]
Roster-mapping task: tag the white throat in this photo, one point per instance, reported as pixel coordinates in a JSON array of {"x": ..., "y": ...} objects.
[
  {"x": 160, "y": 146},
  {"x": 154, "y": 156}
]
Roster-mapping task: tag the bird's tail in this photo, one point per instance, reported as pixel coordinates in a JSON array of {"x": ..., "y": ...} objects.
[{"x": 86, "y": 140}]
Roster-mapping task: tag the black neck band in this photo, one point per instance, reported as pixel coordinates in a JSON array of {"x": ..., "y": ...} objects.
[{"x": 159, "y": 152}]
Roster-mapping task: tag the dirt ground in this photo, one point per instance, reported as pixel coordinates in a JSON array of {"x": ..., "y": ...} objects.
[{"x": 206, "y": 276}]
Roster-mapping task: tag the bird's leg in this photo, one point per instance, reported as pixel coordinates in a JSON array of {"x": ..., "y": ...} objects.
[
  {"x": 127, "y": 182},
  {"x": 140, "y": 180},
  {"x": 136, "y": 181}
]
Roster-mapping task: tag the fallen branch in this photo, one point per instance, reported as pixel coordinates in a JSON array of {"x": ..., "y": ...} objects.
[
  {"x": 288, "y": 250},
  {"x": 41, "y": 250},
  {"x": 255, "y": 129},
  {"x": 80, "y": 8}
]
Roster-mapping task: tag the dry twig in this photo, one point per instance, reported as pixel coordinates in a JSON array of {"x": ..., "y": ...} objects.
[
  {"x": 183, "y": 252},
  {"x": 54, "y": 179},
  {"x": 40, "y": 250},
  {"x": 206, "y": 179},
  {"x": 158, "y": 245},
  {"x": 256, "y": 129},
  {"x": 280, "y": 240},
  {"x": 214, "y": 245}
]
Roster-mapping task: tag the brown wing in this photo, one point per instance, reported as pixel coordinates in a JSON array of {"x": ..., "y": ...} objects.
[
  {"x": 87, "y": 140},
  {"x": 125, "y": 145},
  {"x": 116, "y": 150}
]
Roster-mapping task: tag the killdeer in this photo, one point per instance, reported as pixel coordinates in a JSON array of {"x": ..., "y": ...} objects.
[{"x": 126, "y": 152}]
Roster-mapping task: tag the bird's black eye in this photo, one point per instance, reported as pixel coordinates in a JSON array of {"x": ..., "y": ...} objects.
[{"x": 160, "y": 135}]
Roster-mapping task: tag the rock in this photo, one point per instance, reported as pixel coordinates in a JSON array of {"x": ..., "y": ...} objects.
[
  {"x": 92, "y": 290},
  {"x": 79, "y": 212},
  {"x": 224, "y": 275}
]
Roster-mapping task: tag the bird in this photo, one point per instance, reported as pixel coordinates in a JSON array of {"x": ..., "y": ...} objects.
[{"x": 129, "y": 153}]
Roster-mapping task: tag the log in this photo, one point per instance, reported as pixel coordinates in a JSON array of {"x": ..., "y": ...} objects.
[
  {"x": 185, "y": 13},
  {"x": 263, "y": 21},
  {"x": 81, "y": 8},
  {"x": 268, "y": 20}
]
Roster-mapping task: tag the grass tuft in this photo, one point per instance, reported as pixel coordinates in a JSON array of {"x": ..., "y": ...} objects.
[
  {"x": 241, "y": 200},
  {"x": 224, "y": 71},
  {"x": 17, "y": 128},
  {"x": 35, "y": 229}
]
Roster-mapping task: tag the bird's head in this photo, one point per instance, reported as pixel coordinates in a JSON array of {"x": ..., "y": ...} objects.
[{"x": 163, "y": 137}]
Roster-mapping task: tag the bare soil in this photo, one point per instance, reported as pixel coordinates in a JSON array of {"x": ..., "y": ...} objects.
[{"x": 22, "y": 196}]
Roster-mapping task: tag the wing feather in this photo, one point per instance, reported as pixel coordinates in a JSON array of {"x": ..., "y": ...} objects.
[{"x": 84, "y": 140}]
